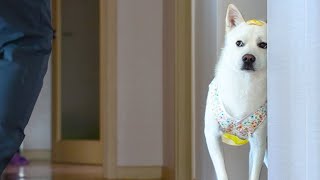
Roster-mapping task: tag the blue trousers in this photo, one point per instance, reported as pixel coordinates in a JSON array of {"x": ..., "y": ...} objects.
[{"x": 25, "y": 47}]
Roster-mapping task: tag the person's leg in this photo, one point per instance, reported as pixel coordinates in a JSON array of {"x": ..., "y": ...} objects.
[{"x": 25, "y": 47}]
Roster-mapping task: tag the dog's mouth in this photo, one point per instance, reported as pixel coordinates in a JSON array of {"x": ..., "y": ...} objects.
[{"x": 247, "y": 67}]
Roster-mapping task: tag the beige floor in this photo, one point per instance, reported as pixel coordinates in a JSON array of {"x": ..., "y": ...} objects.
[{"x": 47, "y": 171}]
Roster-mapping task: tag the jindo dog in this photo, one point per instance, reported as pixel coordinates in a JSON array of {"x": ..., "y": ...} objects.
[{"x": 236, "y": 110}]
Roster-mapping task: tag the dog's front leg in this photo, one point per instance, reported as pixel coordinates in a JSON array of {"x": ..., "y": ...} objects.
[
  {"x": 213, "y": 138},
  {"x": 258, "y": 144},
  {"x": 215, "y": 150}
]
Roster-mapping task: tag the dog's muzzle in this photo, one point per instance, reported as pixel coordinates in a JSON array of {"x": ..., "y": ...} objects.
[{"x": 248, "y": 60}]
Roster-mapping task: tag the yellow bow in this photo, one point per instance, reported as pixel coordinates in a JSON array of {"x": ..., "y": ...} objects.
[
  {"x": 233, "y": 140},
  {"x": 255, "y": 22}
]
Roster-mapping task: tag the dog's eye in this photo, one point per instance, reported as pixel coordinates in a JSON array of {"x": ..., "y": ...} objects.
[
  {"x": 239, "y": 43},
  {"x": 263, "y": 45}
]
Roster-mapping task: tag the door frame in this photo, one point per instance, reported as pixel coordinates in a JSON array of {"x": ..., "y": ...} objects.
[
  {"x": 181, "y": 30},
  {"x": 183, "y": 90},
  {"x": 178, "y": 53},
  {"x": 108, "y": 53}
]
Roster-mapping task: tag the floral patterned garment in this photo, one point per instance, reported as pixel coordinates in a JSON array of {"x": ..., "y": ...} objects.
[{"x": 242, "y": 128}]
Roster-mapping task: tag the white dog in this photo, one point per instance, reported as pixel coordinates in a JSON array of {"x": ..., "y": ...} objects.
[{"x": 236, "y": 103}]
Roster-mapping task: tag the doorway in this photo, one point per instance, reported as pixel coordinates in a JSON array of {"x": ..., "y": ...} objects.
[
  {"x": 77, "y": 123},
  {"x": 209, "y": 29}
]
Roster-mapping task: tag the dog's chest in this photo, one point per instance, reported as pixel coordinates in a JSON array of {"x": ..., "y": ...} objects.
[{"x": 242, "y": 98}]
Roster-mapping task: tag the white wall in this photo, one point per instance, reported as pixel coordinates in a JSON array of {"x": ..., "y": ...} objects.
[
  {"x": 139, "y": 82},
  {"x": 38, "y": 131},
  {"x": 209, "y": 37}
]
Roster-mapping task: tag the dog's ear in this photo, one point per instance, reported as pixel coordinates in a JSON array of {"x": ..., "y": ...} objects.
[{"x": 233, "y": 18}]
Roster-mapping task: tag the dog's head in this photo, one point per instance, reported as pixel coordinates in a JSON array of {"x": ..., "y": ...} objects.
[{"x": 245, "y": 43}]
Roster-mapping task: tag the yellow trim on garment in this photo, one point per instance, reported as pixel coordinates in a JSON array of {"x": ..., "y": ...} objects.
[
  {"x": 255, "y": 22},
  {"x": 233, "y": 140}
]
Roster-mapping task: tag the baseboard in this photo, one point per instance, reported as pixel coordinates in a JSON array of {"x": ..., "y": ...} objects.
[
  {"x": 37, "y": 155},
  {"x": 167, "y": 173},
  {"x": 140, "y": 172}
]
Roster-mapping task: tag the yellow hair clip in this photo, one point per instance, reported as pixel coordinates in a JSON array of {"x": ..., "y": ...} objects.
[{"x": 255, "y": 22}]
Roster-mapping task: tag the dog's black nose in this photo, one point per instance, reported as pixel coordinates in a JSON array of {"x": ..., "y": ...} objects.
[{"x": 248, "y": 58}]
